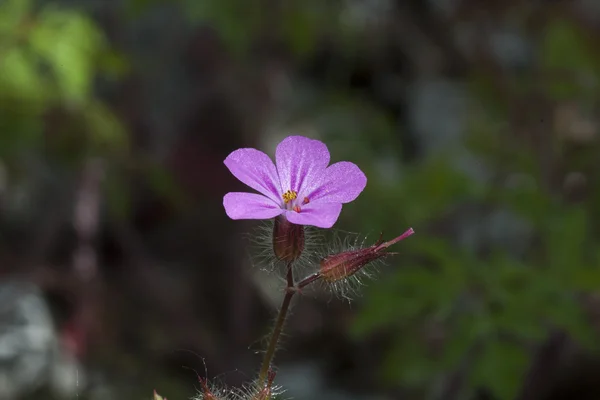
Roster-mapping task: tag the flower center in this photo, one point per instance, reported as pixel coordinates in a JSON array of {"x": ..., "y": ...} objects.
[
  {"x": 288, "y": 200},
  {"x": 289, "y": 196}
]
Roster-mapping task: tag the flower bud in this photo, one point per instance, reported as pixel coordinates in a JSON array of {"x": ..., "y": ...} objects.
[
  {"x": 345, "y": 264},
  {"x": 288, "y": 239}
]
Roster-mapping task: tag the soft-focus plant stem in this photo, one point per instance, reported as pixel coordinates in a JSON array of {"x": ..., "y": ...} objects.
[
  {"x": 275, "y": 336},
  {"x": 290, "y": 290},
  {"x": 289, "y": 293}
]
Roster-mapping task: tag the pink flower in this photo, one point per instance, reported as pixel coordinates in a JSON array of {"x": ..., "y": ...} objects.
[{"x": 302, "y": 186}]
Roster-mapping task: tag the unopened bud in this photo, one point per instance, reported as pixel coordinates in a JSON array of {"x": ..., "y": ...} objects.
[
  {"x": 345, "y": 264},
  {"x": 288, "y": 239}
]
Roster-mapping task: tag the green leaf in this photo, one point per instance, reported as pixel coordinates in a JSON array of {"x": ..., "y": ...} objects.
[
  {"x": 70, "y": 44},
  {"x": 20, "y": 77}
]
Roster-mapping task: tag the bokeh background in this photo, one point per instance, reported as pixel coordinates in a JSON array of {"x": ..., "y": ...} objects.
[{"x": 475, "y": 121}]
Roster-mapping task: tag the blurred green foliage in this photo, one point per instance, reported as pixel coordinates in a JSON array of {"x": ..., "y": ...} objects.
[
  {"x": 299, "y": 25},
  {"x": 452, "y": 299},
  {"x": 50, "y": 58},
  {"x": 568, "y": 51},
  {"x": 442, "y": 301}
]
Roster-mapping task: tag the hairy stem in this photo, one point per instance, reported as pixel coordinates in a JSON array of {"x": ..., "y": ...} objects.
[
  {"x": 275, "y": 336},
  {"x": 290, "y": 290},
  {"x": 309, "y": 279},
  {"x": 289, "y": 293}
]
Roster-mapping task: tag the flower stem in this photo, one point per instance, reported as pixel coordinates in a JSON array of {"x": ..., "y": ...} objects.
[
  {"x": 309, "y": 279},
  {"x": 275, "y": 336},
  {"x": 289, "y": 293},
  {"x": 290, "y": 290},
  {"x": 406, "y": 234}
]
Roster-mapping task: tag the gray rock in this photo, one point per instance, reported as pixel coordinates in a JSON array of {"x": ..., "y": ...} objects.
[{"x": 30, "y": 356}]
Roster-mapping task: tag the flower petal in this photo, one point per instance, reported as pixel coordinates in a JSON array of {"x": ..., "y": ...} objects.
[
  {"x": 341, "y": 182},
  {"x": 300, "y": 162},
  {"x": 255, "y": 169},
  {"x": 321, "y": 215},
  {"x": 250, "y": 206}
]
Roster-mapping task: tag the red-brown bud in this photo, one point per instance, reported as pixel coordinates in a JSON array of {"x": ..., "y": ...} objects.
[
  {"x": 345, "y": 264},
  {"x": 288, "y": 239}
]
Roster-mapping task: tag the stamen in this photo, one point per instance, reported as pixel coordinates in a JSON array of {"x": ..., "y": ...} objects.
[
  {"x": 289, "y": 196},
  {"x": 296, "y": 208},
  {"x": 305, "y": 201}
]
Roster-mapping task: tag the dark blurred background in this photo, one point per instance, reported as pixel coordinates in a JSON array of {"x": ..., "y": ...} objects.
[{"x": 475, "y": 121}]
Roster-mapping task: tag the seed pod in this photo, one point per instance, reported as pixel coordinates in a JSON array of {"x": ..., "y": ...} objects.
[{"x": 342, "y": 265}]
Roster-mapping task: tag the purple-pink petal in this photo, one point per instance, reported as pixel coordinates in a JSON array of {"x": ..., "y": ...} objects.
[
  {"x": 321, "y": 215},
  {"x": 250, "y": 206},
  {"x": 341, "y": 182},
  {"x": 300, "y": 161},
  {"x": 255, "y": 169}
]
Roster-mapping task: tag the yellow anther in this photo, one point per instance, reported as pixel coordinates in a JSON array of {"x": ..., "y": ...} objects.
[{"x": 289, "y": 196}]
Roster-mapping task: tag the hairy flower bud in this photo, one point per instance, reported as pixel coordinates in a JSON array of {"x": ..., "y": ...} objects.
[
  {"x": 345, "y": 264},
  {"x": 288, "y": 239}
]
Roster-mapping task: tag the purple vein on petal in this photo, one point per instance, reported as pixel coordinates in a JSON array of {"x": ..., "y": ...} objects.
[
  {"x": 299, "y": 161},
  {"x": 239, "y": 205},
  {"x": 341, "y": 182},
  {"x": 255, "y": 169},
  {"x": 322, "y": 215}
]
